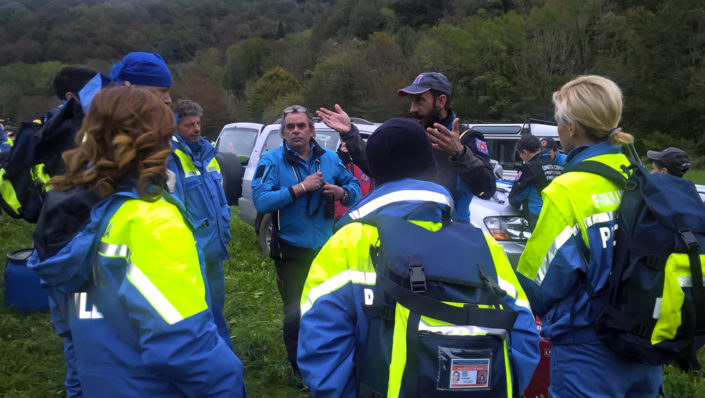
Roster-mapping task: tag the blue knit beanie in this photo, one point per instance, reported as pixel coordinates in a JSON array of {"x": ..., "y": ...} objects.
[
  {"x": 144, "y": 69},
  {"x": 399, "y": 149}
]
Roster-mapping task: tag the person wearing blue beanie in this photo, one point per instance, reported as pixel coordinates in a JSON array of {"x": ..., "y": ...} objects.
[{"x": 144, "y": 69}]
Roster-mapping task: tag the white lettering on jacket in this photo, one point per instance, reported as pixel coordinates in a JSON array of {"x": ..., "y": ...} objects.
[
  {"x": 85, "y": 309},
  {"x": 607, "y": 233},
  {"x": 607, "y": 199},
  {"x": 369, "y": 296}
]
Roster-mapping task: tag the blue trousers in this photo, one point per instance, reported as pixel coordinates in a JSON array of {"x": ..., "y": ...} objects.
[
  {"x": 216, "y": 284},
  {"x": 593, "y": 370}
]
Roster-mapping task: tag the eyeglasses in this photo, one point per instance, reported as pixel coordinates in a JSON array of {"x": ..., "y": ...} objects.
[
  {"x": 295, "y": 109},
  {"x": 301, "y": 126}
]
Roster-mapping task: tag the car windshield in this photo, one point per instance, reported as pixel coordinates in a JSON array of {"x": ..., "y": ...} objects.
[
  {"x": 504, "y": 152},
  {"x": 237, "y": 140}
]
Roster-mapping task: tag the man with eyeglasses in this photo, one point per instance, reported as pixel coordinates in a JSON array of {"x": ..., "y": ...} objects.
[
  {"x": 462, "y": 159},
  {"x": 298, "y": 183}
]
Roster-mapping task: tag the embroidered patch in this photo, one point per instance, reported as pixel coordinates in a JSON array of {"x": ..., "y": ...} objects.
[
  {"x": 481, "y": 146},
  {"x": 364, "y": 177}
]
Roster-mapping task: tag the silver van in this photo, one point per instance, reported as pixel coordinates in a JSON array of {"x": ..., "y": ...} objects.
[{"x": 270, "y": 139}]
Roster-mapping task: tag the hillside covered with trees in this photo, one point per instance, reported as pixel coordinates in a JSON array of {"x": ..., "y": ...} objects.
[{"x": 244, "y": 60}]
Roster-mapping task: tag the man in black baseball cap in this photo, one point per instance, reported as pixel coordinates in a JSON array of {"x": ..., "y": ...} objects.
[
  {"x": 462, "y": 166},
  {"x": 671, "y": 160}
]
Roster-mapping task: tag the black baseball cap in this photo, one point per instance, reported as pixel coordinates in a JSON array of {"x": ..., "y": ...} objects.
[
  {"x": 427, "y": 81},
  {"x": 674, "y": 159},
  {"x": 548, "y": 143}
]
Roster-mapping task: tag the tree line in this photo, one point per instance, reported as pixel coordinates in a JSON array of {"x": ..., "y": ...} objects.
[{"x": 244, "y": 60}]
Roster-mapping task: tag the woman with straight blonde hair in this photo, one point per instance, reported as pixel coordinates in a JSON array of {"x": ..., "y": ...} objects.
[
  {"x": 122, "y": 267},
  {"x": 572, "y": 246}
]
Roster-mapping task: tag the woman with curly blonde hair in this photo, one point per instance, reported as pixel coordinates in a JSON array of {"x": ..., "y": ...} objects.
[
  {"x": 122, "y": 266},
  {"x": 570, "y": 251}
]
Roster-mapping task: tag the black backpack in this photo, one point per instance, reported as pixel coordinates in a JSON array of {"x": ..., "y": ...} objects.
[
  {"x": 35, "y": 157},
  {"x": 422, "y": 271},
  {"x": 652, "y": 309}
]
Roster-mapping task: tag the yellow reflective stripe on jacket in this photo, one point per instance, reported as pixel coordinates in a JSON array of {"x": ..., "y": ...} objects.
[
  {"x": 161, "y": 254},
  {"x": 37, "y": 173},
  {"x": 155, "y": 297},
  {"x": 213, "y": 166},
  {"x": 407, "y": 195},
  {"x": 190, "y": 169},
  {"x": 334, "y": 283},
  {"x": 397, "y": 364},
  {"x": 8, "y": 193},
  {"x": 142, "y": 282},
  {"x": 506, "y": 276},
  {"x": 570, "y": 202},
  {"x": 338, "y": 264},
  {"x": 667, "y": 311}
]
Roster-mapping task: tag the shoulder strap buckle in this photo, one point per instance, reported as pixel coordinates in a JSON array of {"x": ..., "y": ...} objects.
[
  {"x": 688, "y": 238},
  {"x": 417, "y": 276}
]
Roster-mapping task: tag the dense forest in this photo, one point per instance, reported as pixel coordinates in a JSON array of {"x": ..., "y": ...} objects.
[{"x": 244, "y": 60}]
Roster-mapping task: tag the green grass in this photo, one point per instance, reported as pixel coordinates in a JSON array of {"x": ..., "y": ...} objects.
[
  {"x": 697, "y": 176},
  {"x": 31, "y": 357}
]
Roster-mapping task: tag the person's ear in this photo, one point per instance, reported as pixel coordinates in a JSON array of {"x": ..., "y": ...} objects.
[
  {"x": 70, "y": 95},
  {"x": 441, "y": 100},
  {"x": 573, "y": 128}
]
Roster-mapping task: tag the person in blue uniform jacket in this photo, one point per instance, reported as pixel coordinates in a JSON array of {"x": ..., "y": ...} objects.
[
  {"x": 298, "y": 183},
  {"x": 534, "y": 175},
  {"x": 333, "y": 323},
  {"x": 199, "y": 186},
  {"x": 121, "y": 264},
  {"x": 572, "y": 244}
]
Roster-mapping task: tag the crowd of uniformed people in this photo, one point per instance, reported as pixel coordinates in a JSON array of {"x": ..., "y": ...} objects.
[{"x": 134, "y": 230}]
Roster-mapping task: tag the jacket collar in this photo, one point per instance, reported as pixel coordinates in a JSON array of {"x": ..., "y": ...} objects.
[
  {"x": 581, "y": 153},
  {"x": 407, "y": 198},
  {"x": 207, "y": 149},
  {"x": 291, "y": 156}
]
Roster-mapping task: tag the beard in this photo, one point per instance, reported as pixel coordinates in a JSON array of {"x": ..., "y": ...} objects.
[{"x": 433, "y": 116}]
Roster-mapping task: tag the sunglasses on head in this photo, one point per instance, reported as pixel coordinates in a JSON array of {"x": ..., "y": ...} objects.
[
  {"x": 295, "y": 109},
  {"x": 301, "y": 126}
]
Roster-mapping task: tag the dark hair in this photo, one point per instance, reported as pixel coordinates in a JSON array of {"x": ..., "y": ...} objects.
[
  {"x": 71, "y": 79},
  {"x": 674, "y": 171},
  {"x": 184, "y": 107},
  {"x": 529, "y": 142},
  {"x": 295, "y": 109},
  {"x": 436, "y": 93},
  {"x": 124, "y": 141}
]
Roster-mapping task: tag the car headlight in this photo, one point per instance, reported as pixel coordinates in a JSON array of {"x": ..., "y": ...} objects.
[{"x": 508, "y": 227}]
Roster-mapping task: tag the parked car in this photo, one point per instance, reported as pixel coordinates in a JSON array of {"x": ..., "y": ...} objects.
[
  {"x": 234, "y": 145},
  {"x": 495, "y": 215},
  {"x": 270, "y": 139}
]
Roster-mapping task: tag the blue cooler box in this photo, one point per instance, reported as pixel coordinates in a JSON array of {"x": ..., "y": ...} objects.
[{"x": 22, "y": 287}]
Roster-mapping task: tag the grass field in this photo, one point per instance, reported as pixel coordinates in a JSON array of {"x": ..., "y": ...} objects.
[
  {"x": 31, "y": 356},
  {"x": 697, "y": 176}
]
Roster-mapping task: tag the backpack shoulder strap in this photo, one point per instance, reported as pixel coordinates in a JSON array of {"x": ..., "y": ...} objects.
[{"x": 601, "y": 169}]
